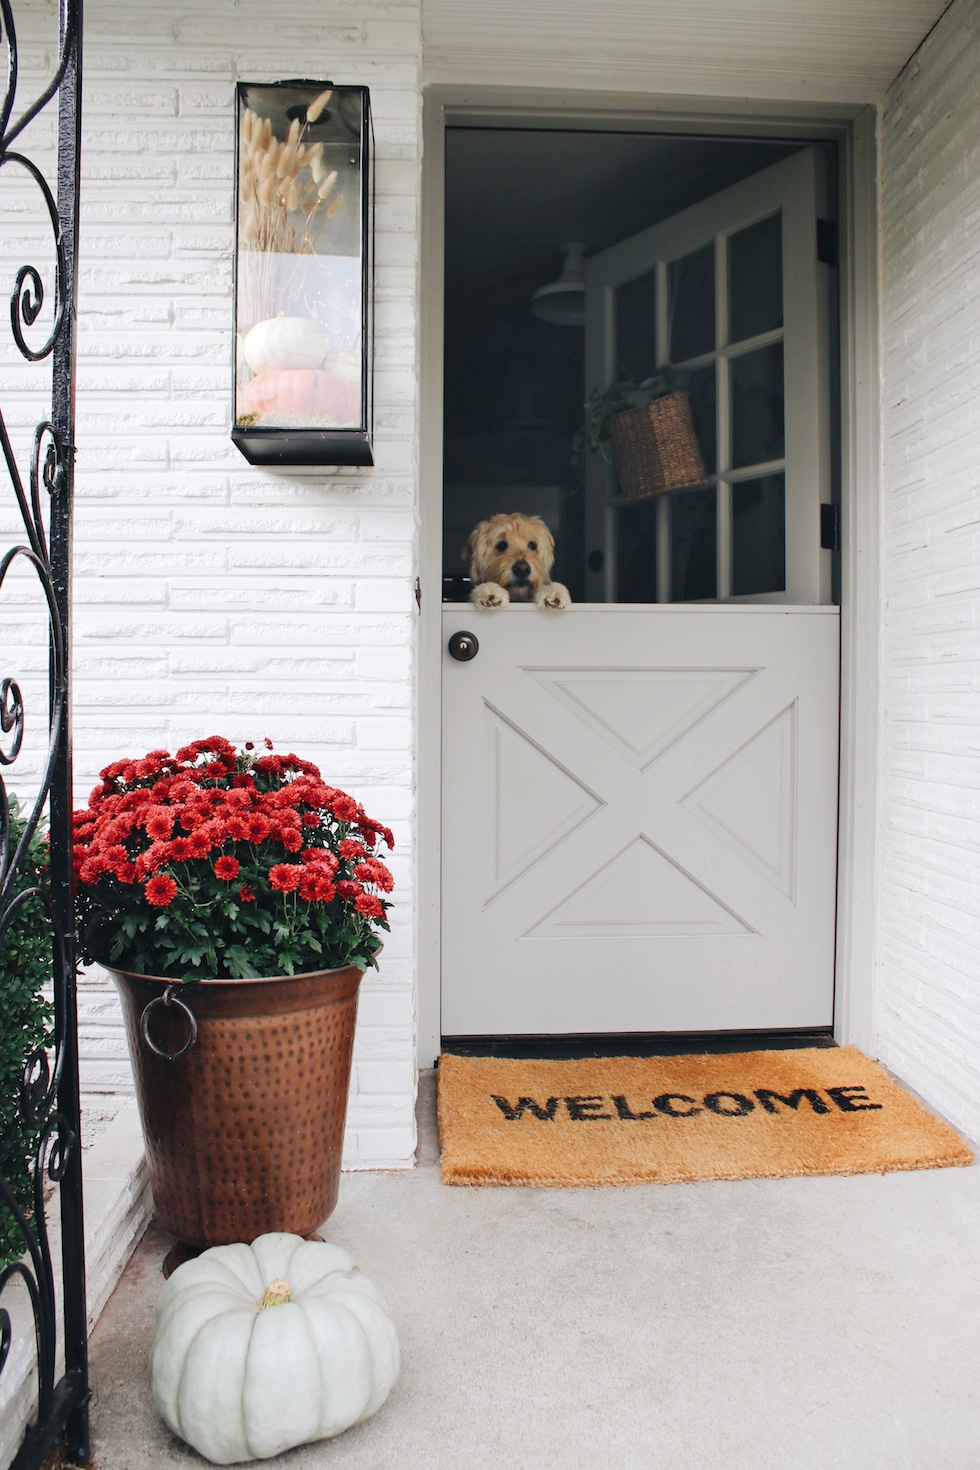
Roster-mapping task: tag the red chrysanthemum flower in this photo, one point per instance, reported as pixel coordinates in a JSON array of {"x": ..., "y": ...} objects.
[
  {"x": 199, "y": 843},
  {"x": 153, "y": 859},
  {"x": 246, "y": 893},
  {"x": 226, "y": 868},
  {"x": 350, "y": 848},
  {"x": 180, "y": 849},
  {"x": 374, "y": 871},
  {"x": 91, "y": 870},
  {"x": 348, "y": 889},
  {"x": 159, "y": 823},
  {"x": 344, "y": 807},
  {"x": 369, "y": 904},
  {"x": 114, "y": 855},
  {"x": 160, "y": 891},
  {"x": 259, "y": 827},
  {"x": 284, "y": 877},
  {"x": 321, "y": 857},
  {"x": 311, "y": 819},
  {"x": 309, "y": 878}
]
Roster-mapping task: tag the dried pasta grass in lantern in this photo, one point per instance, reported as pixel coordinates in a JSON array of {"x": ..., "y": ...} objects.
[
  {"x": 217, "y": 862},
  {"x": 301, "y": 254}
]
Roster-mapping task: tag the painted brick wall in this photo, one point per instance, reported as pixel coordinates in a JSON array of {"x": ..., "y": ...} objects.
[
  {"x": 928, "y": 984},
  {"x": 211, "y": 596}
]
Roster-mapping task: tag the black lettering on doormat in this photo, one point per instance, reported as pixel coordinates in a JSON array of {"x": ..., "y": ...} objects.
[
  {"x": 626, "y": 1113},
  {"x": 853, "y": 1099},
  {"x": 769, "y": 1099},
  {"x": 859, "y": 1103},
  {"x": 584, "y": 1109},
  {"x": 742, "y": 1104},
  {"x": 664, "y": 1104},
  {"x": 526, "y": 1104}
]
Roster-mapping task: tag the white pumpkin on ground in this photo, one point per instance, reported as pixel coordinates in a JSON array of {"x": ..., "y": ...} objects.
[
  {"x": 284, "y": 342},
  {"x": 259, "y": 1348}
]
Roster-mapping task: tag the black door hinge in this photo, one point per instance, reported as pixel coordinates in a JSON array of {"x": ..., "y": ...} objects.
[
  {"x": 827, "y": 242},
  {"x": 830, "y": 528},
  {"x": 418, "y": 594}
]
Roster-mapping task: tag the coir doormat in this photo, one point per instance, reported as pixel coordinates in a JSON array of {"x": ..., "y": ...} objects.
[{"x": 629, "y": 1120}]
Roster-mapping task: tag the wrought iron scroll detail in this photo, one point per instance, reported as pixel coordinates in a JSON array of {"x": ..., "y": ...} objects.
[{"x": 49, "y": 1098}]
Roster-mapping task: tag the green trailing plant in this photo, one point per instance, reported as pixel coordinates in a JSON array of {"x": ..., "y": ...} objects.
[
  {"x": 602, "y": 407},
  {"x": 25, "y": 1026}
]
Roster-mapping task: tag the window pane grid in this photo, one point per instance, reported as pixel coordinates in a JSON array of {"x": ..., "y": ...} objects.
[{"x": 682, "y": 518}]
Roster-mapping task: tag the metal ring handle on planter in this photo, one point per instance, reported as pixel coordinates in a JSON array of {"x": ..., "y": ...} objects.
[{"x": 168, "y": 998}]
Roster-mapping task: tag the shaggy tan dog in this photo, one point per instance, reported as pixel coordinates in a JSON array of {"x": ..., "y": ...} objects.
[{"x": 510, "y": 559}]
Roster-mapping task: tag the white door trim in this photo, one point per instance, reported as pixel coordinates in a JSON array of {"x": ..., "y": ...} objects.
[{"x": 855, "y": 131}]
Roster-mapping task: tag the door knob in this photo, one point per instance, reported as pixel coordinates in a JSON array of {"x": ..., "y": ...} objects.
[{"x": 464, "y": 646}]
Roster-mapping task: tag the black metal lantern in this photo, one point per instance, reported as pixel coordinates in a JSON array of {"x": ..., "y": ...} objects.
[{"x": 303, "y": 274}]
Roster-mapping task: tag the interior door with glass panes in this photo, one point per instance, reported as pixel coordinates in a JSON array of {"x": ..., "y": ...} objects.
[{"x": 730, "y": 291}]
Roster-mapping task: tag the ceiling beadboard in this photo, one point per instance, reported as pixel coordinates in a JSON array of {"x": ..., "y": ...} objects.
[{"x": 818, "y": 50}]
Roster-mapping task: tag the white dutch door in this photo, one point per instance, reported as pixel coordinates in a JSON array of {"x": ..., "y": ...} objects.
[{"x": 640, "y": 799}]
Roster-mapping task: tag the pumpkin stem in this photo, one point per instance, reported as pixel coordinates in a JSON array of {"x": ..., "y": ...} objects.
[{"x": 275, "y": 1294}]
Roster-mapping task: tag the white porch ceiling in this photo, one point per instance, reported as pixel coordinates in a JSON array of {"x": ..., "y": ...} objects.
[{"x": 802, "y": 50}]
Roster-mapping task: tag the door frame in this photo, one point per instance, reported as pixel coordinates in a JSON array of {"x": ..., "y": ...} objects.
[{"x": 853, "y": 129}]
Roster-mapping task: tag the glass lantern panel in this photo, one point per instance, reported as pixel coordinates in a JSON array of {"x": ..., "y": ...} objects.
[{"x": 299, "y": 266}]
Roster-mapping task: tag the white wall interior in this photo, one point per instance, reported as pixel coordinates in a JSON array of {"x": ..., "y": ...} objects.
[
  {"x": 928, "y": 983},
  {"x": 211, "y": 596}
]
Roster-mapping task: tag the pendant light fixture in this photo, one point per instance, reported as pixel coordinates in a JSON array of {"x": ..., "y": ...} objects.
[{"x": 562, "y": 303}]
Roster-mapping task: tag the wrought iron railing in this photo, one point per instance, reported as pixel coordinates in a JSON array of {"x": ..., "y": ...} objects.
[{"x": 43, "y": 494}]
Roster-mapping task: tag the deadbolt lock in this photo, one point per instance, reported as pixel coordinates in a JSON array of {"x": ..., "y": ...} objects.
[{"x": 464, "y": 646}]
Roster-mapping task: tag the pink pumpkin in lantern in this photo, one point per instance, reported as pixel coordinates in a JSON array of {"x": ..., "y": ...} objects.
[{"x": 304, "y": 394}]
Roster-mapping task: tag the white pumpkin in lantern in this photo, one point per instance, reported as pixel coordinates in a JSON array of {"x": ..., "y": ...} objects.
[
  {"x": 259, "y": 1348},
  {"x": 285, "y": 342}
]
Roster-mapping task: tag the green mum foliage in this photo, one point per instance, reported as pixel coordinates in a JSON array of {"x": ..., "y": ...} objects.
[{"x": 25, "y": 1025}]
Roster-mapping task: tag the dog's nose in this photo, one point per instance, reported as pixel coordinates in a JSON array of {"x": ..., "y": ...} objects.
[{"x": 521, "y": 569}]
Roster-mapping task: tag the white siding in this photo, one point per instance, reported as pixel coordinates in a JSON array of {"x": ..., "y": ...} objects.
[
  {"x": 929, "y": 973},
  {"x": 831, "y": 51},
  {"x": 211, "y": 596}
]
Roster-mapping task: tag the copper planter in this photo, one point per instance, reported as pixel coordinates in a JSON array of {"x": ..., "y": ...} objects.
[{"x": 244, "y": 1130}]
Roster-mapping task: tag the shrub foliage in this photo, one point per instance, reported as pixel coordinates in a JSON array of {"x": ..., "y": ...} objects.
[{"x": 25, "y": 1025}]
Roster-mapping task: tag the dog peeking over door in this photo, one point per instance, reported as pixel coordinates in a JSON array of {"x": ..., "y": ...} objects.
[{"x": 510, "y": 559}]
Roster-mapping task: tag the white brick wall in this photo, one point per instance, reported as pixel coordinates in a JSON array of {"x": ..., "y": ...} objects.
[
  {"x": 928, "y": 986},
  {"x": 211, "y": 596}
]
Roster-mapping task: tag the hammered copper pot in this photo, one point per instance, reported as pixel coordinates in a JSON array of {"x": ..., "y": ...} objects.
[{"x": 243, "y": 1131}]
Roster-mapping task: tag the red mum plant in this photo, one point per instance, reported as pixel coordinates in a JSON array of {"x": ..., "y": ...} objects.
[{"x": 216, "y": 862}]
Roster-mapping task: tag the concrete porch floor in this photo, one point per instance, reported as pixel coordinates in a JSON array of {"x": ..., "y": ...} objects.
[{"x": 794, "y": 1324}]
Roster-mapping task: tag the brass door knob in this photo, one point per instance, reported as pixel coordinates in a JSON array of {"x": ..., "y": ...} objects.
[{"x": 464, "y": 646}]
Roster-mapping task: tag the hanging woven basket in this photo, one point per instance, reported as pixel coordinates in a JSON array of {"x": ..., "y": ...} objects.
[{"x": 655, "y": 448}]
